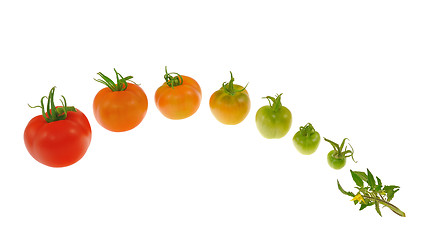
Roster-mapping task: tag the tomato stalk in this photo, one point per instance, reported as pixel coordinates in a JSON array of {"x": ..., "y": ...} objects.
[
  {"x": 173, "y": 81},
  {"x": 229, "y": 87},
  {"x": 275, "y": 102},
  {"x": 392, "y": 207},
  {"x": 52, "y": 112},
  {"x": 307, "y": 130},
  {"x": 121, "y": 84},
  {"x": 339, "y": 152}
]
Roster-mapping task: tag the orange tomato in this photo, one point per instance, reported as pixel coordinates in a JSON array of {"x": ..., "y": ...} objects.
[
  {"x": 179, "y": 97},
  {"x": 230, "y": 104},
  {"x": 120, "y": 109}
]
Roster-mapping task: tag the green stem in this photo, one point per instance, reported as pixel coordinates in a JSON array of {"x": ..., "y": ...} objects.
[
  {"x": 339, "y": 149},
  {"x": 121, "y": 84},
  {"x": 63, "y": 110},
  {"x": 335, "y": 146},
  {"x": 229, "y": 87},
  {"x": 276, "y": 102},
  {"x": 387, "y": 204},
  {"x": 307, "y": 130},
  {"x": 52, "y": 112},
  {"x": 173, "y": 81}
]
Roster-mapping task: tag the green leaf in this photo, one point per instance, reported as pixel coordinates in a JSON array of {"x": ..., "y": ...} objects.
[
  {"x": 343, "y": 191},
  {"x": 390, "y": 188},
  {"x": 366, "y": 204},
  {"x": 370, "y": 179},
  {"x": 379, "y": 183},
  {"x": 378, "y": 208},
  {"x": 362, "y": 175},
  {"x": 390, "y": 191},
  {"x": 391, "y": 194},
  {"x": 357, "y": 179},
  {"x": 363, "y": 205}
]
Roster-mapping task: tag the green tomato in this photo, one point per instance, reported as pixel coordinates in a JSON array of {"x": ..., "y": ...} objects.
[
  {"x": 335, "y": 161},
  {"x": 336, "y": 158},
  {"x": 273, "y": 121},
  {"x": 306, "y": 140}
]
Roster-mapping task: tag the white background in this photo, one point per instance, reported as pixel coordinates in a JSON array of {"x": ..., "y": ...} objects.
[{"x": 352, "y": 68}]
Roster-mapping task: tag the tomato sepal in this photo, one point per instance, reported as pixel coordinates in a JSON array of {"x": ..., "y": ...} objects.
[
  {"x": 53, "y": 113},
  {"x": 121, "y": 84},
  {"x": 228, "y": 87}
]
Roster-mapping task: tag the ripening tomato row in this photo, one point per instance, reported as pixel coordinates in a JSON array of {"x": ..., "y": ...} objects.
[{"x": 62, "y": 134}]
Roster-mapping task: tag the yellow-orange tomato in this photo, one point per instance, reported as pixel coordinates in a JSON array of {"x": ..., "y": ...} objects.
[
  {"x": 230, "y": 104},
  {"x": 120, "y": 110},
  {"x": 179, "y": 97}
]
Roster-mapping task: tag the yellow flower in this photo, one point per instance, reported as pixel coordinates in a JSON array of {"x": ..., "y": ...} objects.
[{"x": 358, "y": 197}]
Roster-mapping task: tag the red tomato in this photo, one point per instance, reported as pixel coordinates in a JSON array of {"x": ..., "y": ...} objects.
[
  {"x": 61, "y": 142},
  {"x": 119, "y": 109},
  {"x": 179, "y": 97}
]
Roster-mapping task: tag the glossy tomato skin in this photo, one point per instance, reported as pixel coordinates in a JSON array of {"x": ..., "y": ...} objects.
[
  {"x": 120, "y": 111},
  {"x": 179, "y": 102},
  {"x": 230, "y": 109},
  {"x": 306, "y": 145},
  {"x": 60, "y": 143},
  {"x": 273, "y": 124},
  {"x": 336, "y": 162}
]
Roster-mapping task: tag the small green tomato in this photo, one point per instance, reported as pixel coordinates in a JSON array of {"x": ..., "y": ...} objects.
[
  {"x": 306, "y": 140},
  {"x": 337, "y": 158}
]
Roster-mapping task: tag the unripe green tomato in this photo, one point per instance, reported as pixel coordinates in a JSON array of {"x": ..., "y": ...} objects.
[
  {"x": 306, "y": 143},
  {"x": 336, "y": 158},
  {"x": 335, "y": 161},
  {"x": 273, "y": 121}
]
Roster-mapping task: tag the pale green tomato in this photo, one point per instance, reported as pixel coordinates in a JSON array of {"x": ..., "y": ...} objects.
[{"x": 273, "y": 121}]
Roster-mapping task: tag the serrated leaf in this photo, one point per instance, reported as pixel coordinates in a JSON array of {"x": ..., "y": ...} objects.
[
  {"x": 357, "y": 179},
  {"x": 370, "y": 179},
  {"x": 378, "y": 208},
  {"x": 343, "y": 191},
  {"x": 362, "y": 175},
  {"x": 392, "y": 194},
  {"x": 390, "y": 191},
  {"x": 389, "y": 188}
]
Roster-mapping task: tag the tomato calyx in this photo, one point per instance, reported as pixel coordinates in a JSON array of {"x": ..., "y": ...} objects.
[
  {"x": 121, "y": 84},
  {"x": 53, "y": 113},
  {"x": 275, "y": 102},
  {"x": 229, "y": 87},
  {"x": 173, "y": 81},
  {"x": 339, "y": 153},
  {"x": 307, "y": 130}
]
